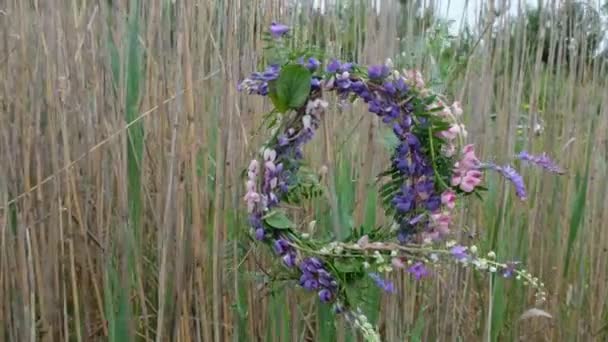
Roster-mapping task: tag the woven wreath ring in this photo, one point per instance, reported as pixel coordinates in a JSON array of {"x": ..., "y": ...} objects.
[{"x": 431, "y": 170}]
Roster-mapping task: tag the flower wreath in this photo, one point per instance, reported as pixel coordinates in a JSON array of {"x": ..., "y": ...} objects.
[{"x": 431, "y": 171}]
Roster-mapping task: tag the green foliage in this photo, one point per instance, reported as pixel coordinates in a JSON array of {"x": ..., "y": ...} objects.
[
  {"x": 278, "y": 219},
  {"x": 291, "y": 89}
]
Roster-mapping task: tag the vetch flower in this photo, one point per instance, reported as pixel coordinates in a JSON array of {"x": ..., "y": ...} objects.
[
  {"x": 511, "y": 175},
  {"x": 459, "y": 252},
  {"x": 542, "y": 160},
  {"x": 418, "y": 270},
  {"x": 384, "y": 284},
  {"x": 278, "y": 30}
]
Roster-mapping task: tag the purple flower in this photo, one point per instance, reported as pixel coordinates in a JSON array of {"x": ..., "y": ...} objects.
[
  {"x": 418, "y": 270},
  {"x": 282, "y": 140},
  {"x": 313, "y": 64},
  {"x": 511, "y": 175},
  {"x": 459, "y": 252},
  {"x": 325, "y": 295},
  {"x": 404, "y": 200},
  {"x": 259, "y": 234},
  {"x": 333, "y": 66},
  {"x": 278, "y": 30},
  {"x": 376, "y": 72},
  {"x": 542, "y": 161},
  {"x": 384, "y": 284},
  {"x": 289, "y": 259},
  {"x": 510, "y": 269},
  {"x": 281, "y": 246}
]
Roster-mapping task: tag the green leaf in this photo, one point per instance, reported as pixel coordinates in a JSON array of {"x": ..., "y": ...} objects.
[
  {"x": 278, "y": 102},
  {"x": 344, "y": 266},
  {"x": 292, "y": 87},
  {"x": 278, "y": 219}
]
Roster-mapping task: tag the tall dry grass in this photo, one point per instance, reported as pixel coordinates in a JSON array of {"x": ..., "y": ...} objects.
[{"x": 122, "y": 141}]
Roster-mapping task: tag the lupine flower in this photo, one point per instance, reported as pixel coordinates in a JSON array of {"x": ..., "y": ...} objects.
[
  {"x": 257, "y": 83},
  {"x": 418, "y": 270},
  {"x": 512, "y": 176},
  {"x": 278, "y": 30},
  {"x": 333, "y": 66},
  {"x": 384, "y": 284},
  {"x": 325, "y": 295},
  {"x": 260, "y": 234},
  {"x": 459, "y": 252},
  {"x": 542, "y": 160},
  {"x": 377, "y": 72},
  {"x": 251, "y": 197},
  {"x": 313, "y": 64}
]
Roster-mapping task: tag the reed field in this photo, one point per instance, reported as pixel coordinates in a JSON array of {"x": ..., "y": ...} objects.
[{"x": 123, "y": 141}]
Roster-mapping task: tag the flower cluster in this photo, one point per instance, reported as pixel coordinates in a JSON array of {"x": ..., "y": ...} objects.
[
  {"x": 315, "y": 277},
  {"x": 430, "y": 171},
  {"x": 543, "y": 161},
  {"x": 257, "y": 82}
]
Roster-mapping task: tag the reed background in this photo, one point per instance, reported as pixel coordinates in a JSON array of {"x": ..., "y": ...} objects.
[{"x": 123, "y": 139}]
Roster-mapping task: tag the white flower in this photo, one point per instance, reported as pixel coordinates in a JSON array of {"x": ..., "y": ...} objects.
[
  {"x": 491, "y": 255},
  {"x": 389, "y": 63},
  {"x": 270, "y": 154},
  {"x": 307, "y": 121}
]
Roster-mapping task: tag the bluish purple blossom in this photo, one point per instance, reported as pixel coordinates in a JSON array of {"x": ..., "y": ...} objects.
[
  {"x": 384, "y": 284},
  {"x": 511, "y": 175},
  {"x": 278, "y": 30},
  {"x": 542, "y": 160},
  {"x": 257, "y": 83},
  {"x": 459, "y": 252},
  {"x": 333, "y": 66},
  {"x": 377, "y": 72},
  {"x": 418, "y": 270},
  {"x": 315, "y": 277}
]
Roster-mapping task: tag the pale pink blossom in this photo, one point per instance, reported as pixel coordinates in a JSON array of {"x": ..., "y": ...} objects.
[
  {"x": 448, "y": 198},
  {"x": 456, "y": 108}
]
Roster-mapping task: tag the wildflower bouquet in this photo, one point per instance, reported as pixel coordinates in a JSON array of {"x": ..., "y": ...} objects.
[{"x": 430, "y": 172}]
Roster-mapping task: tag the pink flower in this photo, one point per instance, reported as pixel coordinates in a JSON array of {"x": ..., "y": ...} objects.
[
  {"x": 469, "y": 160},
  {"x": 251, "y": 197},
  {"x": 397, "y": 263},
  {"x": 415, "y": 78},
  {"x": 456, "y": 108},
  {"x": 471, "y": 179},
  {"x": 451, "y": 133},
  {"x": 448, "y": 198},
  {"x": 442, "y": 222}
]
